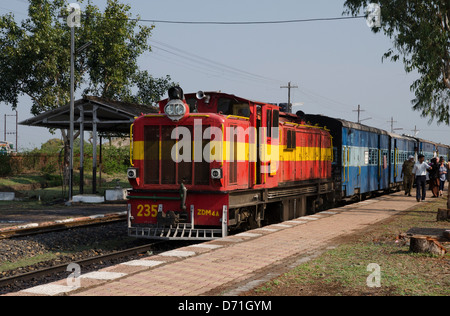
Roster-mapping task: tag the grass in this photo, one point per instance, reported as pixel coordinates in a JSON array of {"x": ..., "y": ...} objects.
[
  {"x": 7, "y": 266},
  {"x": 343, "y": 270},
  {"x": 21, "y": 180}
]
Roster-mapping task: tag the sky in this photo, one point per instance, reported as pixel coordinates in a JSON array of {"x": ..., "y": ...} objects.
[{"x": 337, "y": 65}]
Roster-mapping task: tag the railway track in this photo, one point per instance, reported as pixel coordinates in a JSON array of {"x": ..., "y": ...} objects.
[
  {"x": 26, "y": 280},
  {"x": 35, "y": 229}
]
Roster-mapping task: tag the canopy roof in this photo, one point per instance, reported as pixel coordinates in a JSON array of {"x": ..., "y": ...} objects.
[{"x": 111, "y": 116}]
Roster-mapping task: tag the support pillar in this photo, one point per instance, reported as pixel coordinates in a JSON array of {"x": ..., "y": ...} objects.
[{"x": 94, "y": 150}]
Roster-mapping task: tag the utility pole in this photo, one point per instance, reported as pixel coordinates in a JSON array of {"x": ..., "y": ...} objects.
[
  {"x": 17, "y": 129},
  {"x": 72, "y": 109},
  {"x": 416, "y": 131},
  {"x": 73, "y": 21},
  {"x": 359, "y": 114},
  {"x": 289, "y": 87},
  {"x": 392, "y": 126}
]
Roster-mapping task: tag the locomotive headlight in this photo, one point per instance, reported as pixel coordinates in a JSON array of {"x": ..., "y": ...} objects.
[
  {"x": 170, "y": 110},
  {"x": 180, "y": 109},
  {"x": 216, "y": 174},
  {"x": 175, "y": 110},
  {"x": 132, "y": 173}
]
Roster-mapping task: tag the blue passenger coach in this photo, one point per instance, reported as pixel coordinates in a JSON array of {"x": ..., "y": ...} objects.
[
  {"x": 427, "y": 148},
  {"x": 443, "y": 151},
  {"x": 361, "y": 160},
  {"x": 368, "y": 159},
  {"x": 401, "y": 148}
]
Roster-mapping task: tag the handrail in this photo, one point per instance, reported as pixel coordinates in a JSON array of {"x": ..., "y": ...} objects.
[
  {"x": 131, "y": 145},
  {"x": 343, "y": 160},
  {"x": 348, "y": 164},
  {"x": 395, "y": 162}
]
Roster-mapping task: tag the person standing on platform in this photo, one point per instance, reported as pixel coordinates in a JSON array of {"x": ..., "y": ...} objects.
[
  {"x": 407, "y": 174},
  {"x": 434, "y": 177},
  {"x": 420, "y": 174}
]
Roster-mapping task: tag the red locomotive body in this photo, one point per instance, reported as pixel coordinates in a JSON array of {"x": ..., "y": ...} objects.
[{"x": 214, "y": 161}]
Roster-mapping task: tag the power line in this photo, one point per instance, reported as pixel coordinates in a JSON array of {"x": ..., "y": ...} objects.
[
  {"x": 209, "y": 62},
  {"x": 249, "y": 22},
  {"x": 210, "y": 72},
  {"x": 234, "y": 22}
]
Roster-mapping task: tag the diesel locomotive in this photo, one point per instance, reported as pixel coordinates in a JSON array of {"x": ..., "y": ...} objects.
[{"x": 211, "y": 162}]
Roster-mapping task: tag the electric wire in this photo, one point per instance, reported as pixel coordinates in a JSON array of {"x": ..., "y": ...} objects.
[
  {"x": 329, "y": 19},
  {"x": 250, "y": 22},
  {"x": 217, "y": 64}
]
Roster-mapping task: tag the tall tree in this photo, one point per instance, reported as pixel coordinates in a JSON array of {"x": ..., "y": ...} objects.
[
  {"x": 420, "y": 30},
  {"x": 35, "y": 56}
]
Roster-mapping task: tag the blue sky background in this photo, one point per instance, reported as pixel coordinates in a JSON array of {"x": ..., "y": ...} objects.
[{"x": 336, "y": 64}]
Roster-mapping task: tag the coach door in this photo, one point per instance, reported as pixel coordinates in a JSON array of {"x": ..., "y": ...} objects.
[
  {"x": 257, "y": 163},
  {"x": 345, "y": 168}
]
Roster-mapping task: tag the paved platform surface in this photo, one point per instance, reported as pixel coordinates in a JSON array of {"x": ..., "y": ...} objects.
[{"x": 235, "y": 264}]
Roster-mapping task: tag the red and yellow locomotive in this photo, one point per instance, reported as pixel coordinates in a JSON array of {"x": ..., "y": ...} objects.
[{"x": 209, "y": 162}]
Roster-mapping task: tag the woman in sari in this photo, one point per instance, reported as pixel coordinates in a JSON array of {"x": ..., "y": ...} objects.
[{"x": 434, "y": 177}]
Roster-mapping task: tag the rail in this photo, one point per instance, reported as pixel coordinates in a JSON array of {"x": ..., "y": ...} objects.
[
  {"x": 85, "y": 262},
  {"x": 35, "y": 229}
]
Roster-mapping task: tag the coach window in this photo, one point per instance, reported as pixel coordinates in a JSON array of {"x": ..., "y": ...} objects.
[
  {"x": 227, "y": 106},
  {"x": 291, "y": 141},
  {"x": 192, "y": 102},
  {"x": 224, "y": 106},
  {"x": 269, "y": 123},
  {"x": 275, "y": 123},
  {"x": 273, "y": 119}
]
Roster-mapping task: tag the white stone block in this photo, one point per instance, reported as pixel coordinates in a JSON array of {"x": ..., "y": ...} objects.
[
  {"x": 87, "y": 198},
  {"x": 7, "y": 196},
  {"x": 116, "y": 194}
]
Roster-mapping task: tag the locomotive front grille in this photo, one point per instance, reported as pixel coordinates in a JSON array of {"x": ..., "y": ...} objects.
[
  {"x": 178, "y": 232},
  {"x": 159, "y": 165}
]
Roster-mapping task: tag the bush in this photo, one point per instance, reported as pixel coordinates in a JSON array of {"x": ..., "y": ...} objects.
[
  {"x": 115, "y": 160},
  {"x": 48, "y": 170},
  {"x": 5, "y": 165}
]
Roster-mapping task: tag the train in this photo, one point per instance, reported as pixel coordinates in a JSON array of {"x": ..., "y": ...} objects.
[{"x": 210, "y": 163}]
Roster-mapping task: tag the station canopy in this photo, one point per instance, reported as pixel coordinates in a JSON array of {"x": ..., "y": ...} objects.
[
  {"x": 94, "y": 114},
  {"x": 101, "y": 114}
]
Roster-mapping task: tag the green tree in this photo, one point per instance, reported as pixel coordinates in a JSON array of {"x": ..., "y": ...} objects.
[
  {"x": 52, "y": 146},
  {"x": 420, "y": 30},
  {"x": 35, "y": 57}
]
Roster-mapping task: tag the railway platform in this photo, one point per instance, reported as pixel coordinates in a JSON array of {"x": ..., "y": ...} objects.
[{"x": 235, "y": 264}]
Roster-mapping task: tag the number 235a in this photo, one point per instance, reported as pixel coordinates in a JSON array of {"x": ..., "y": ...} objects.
[{"x": 147, "y": 210}]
